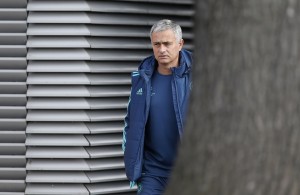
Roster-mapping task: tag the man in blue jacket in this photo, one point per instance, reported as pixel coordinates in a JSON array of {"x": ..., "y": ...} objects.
[{"x": 156, "y": 110}]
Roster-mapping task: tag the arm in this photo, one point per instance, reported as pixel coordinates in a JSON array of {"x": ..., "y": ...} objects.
[{"x": 126, "y": 126}]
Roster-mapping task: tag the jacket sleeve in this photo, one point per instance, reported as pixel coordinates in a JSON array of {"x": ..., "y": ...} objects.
[
  {"x": 127, "y": 119},
  {"x": 126, "y": 126}
]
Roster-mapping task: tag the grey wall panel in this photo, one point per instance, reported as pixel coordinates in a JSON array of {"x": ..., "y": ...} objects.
[
  {"x": 12, "y": 99},
  {"x": 12, "y": 124},
  {"x": 13, "y": 161},
  {"x": 13, "y": 87},
  {"x": 57, "y": 128},
  {"x": 12, "y": 173},
  {"x": 12, "y": 136},
  {"x": 56, "y": 140},
  {"x": 80, "y": 55},
  {"x": 57, "y": 152},
  {"x": 109, "y": 187},
  {"x": 13, "y": 38},
  {"x": 106, "y": 163},
  {"x": 12, "y": 14},
  {"x": 12, "y": 149},
  {"x": 38, "y": 164},
  {"x": 12, "y": 50},
  {"x": 70, "y": 189},
  {"x": 106, "y": 176},
  {"x": 13, "y": 3},
  {"x": 105, "y": 151},
  {"x": 12, "y": 26}
]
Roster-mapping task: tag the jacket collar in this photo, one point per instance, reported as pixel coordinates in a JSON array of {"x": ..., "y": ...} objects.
[{"x": 149, "y": 64}]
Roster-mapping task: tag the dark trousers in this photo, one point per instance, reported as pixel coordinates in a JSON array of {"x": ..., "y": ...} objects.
[{"x": 151, "y": 185}]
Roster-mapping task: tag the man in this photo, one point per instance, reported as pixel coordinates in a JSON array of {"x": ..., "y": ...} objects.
[{"x": 156, "y": 110}]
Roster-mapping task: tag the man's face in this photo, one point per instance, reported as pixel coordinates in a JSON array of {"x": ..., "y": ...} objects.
[{"x": 166, "y": 48}]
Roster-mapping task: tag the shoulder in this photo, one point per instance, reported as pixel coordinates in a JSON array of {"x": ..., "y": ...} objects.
[
  {"x": 135, "y": 76},
  {"x": 147, "y": 63},
  {"x": 145, "y": 68},
  {"x": 187, "y": 56},
  {"x": 135, "y": 73}
]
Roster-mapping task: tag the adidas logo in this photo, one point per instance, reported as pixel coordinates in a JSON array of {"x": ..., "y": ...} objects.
[{"x": 139, "y": 92}]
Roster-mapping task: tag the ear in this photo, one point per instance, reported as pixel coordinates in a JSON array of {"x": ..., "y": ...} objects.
[{"x": 181, "y": 42}]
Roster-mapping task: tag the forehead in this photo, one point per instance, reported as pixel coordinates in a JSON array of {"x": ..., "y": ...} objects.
[{"x": 163, "y": 36}]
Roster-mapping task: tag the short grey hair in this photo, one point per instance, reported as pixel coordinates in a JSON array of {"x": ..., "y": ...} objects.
[{"x": 166, "y": 24}]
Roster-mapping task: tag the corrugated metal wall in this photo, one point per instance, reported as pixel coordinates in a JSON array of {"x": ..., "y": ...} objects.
[
  {"x": 12, "y": 96},
  {"x": 79, "y": 57}
]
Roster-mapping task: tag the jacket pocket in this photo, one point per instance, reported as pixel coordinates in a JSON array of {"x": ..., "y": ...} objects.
[{"x": 133, "y": 153}]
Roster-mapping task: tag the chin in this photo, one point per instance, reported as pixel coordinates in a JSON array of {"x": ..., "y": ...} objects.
[{"x": 164, "y": 61}]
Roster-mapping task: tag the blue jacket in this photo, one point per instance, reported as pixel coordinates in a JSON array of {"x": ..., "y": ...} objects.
[{"x": 139, "y": 104}]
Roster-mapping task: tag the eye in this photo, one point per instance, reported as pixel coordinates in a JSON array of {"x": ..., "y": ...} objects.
[{"x": 167, "y": 44}]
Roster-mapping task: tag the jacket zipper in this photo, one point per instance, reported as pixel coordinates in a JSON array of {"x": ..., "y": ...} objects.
[{"x": 177, "y": 105}]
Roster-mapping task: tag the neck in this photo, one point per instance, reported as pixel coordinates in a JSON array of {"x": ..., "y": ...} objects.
[{"x": 164, "y": 70}]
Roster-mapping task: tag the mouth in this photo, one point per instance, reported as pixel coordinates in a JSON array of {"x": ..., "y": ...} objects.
[{"x": 163, "y": 56}]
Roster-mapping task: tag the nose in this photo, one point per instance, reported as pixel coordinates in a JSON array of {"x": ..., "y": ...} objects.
[{"x": 162, "y": 48}]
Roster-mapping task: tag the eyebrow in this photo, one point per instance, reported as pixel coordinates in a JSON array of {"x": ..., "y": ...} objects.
[{"x": 163, "y": 42}]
